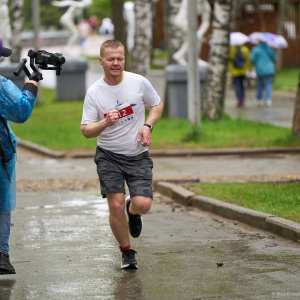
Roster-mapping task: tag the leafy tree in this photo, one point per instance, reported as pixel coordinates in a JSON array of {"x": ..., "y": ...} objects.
[
  {"x": 101, "y": 8},
  {"x": 50, "y": 14}
]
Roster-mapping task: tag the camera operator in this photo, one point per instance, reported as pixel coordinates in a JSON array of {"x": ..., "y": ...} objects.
[{"x": 15, "y": 106}]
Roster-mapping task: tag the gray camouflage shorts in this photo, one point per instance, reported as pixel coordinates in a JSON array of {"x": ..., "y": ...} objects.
[{"x": 114, "y": 169}]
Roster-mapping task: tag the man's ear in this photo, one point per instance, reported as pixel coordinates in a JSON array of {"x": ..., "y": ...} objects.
[{"x": 100, "y": 60}]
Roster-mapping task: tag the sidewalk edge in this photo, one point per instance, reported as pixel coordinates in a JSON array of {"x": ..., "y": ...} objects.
[
  {"x": 164, "y": 152},
  {"x": 40, "y": 149},
  {"x": 223, "y": 151},
  {"x": 206, "y": 152},
  {"x": 282, "y": 227}
]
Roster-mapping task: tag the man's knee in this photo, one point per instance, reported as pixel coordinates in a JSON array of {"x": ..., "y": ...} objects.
[
  {"x": 116, "y": 205},
  {"x": 141, "y": 205}
]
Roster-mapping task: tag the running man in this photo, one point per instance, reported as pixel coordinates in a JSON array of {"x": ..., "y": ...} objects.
[{"x": 114, "y": 112}]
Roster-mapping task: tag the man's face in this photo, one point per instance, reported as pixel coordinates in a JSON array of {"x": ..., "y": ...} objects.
[{"x": 113, "y": 62}]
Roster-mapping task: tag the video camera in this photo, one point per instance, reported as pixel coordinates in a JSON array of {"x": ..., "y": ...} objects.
[{"x": 42, "y": 58}]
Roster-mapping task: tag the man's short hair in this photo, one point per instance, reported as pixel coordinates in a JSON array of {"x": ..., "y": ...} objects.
[{"x": 110, "y": 44}]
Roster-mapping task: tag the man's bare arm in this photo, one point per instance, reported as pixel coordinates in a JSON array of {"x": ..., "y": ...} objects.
[
  {"x": 94, "y": 129},
  {"x": 154, "y": 115}
]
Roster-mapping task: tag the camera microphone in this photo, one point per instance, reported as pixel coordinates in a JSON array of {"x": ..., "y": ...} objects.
[{"x": 5, "y": 52}]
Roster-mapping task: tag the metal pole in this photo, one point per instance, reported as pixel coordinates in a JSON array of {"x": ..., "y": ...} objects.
[
  {"x": 36, "y": 22},
  {"x": 193, "y": 73}
]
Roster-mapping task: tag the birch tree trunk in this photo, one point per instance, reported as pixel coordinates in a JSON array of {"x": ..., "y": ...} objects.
[
  {"x": 17, "y": 26},
  {"x": 214, "y": 88},
  {"x": 280, "y": 22},
  {"x": 141, "y": 53},
  {"x": 5, "y": 30},
  {"x": 296, "y": 118},
  {"x": 174, "y": 37}
]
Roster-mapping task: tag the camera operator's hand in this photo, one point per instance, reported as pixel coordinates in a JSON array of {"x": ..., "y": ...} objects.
[
  {"x": 31, "y": 81},
  {"x": 31, "y": 86}
]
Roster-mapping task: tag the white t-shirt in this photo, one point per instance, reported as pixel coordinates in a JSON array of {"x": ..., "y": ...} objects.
[{"x": 129, "y": 98}]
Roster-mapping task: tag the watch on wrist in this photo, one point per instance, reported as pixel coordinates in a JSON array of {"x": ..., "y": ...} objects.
[{"x": 151, "y": 127}]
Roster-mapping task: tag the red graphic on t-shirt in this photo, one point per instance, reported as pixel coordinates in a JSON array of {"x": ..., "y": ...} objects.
[{"x": 124, "y": 112}]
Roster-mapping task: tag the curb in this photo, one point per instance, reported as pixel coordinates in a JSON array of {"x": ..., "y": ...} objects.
[
  {"x": 40, "y": 149},
  {"x": 207, "y": 152},
  {"x": 282, "y": 227},
  {"x": 225, "y": 151},
  {"x": 165, "y": 152}
]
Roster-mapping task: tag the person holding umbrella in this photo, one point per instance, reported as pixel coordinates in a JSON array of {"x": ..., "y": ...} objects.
[
  {"x": 239, "y": 63},
  {"x": 263, "y": 58}
]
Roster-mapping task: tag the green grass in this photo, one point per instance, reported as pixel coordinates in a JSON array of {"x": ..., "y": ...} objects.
[
  {"x": 281, "y": 199},
  {"x": 223, "y": 133},
  {"x": 56, "y": 125},
  {"x": 159, "y": 60},
  {"x": 286, "y": 80},
  {"x": 160, "y": 54}
]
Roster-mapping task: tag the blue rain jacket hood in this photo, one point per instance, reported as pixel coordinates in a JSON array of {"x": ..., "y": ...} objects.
[
  {"x": 263, "y": 58},
  {"x": 15, "y": 106}
]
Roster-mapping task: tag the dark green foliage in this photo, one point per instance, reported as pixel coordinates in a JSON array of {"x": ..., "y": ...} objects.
[{"x": 50, "y": 15}]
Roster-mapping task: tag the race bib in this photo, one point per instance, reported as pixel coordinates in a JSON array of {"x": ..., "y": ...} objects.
[{"x": 125, "y": 113}]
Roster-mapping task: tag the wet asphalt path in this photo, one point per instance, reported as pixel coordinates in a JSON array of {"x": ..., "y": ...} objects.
[
  {"x": 33, "y": 167},
  {"x": 62, "y": 246}
]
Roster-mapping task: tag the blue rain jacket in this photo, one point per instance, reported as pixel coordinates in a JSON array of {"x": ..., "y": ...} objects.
[
  {"x": 15, "y": 106},
  {"x": 263, "y": 58}
]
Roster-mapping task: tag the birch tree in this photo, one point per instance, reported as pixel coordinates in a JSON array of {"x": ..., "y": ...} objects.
[
  {"x": 174, "y": 37},
  {"x": 214, "y": 88},
  {"x": 5, "y": 29},
  {"x": 17, "y": 27},
  {"x": 296, "y": 118},
  {"x": 141, "y": 54}
]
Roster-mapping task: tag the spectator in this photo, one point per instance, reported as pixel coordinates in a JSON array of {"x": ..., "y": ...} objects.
[
  {"x": 107, "y": 27},
  {"x": 263, "y": 58},
  {"x": 94, "y": 23},
  {"x": 239, "y": 63},
  {"x": 84, "y": 31}
]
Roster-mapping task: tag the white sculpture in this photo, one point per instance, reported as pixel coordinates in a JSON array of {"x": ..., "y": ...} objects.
[
  {"x": 181, "y": 21},
  {"x": 5, "y": 29},
  {"x": 129, "y": 18},
  {"x": 67, "y": 20}
]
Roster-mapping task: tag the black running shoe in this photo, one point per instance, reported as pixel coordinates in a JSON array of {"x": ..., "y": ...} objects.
[
  {"x": 5, "y": 265},
  {"x": 135, "y": 222},
  {"x": 128, "y": 259}
]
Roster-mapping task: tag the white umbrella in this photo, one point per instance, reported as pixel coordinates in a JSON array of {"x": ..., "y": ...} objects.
[
  {"x": 238, "y": 38},
  {"x": 272, "y": 40}
]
